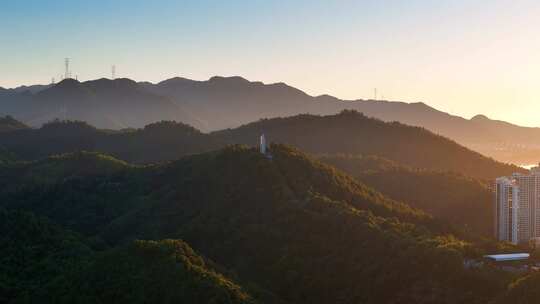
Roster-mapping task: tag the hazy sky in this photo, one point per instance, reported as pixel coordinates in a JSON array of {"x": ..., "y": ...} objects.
[{"x": 464, "y": 57}]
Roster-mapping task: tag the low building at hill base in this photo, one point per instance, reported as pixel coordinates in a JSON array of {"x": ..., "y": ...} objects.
[{"x": 508, "y": 257}]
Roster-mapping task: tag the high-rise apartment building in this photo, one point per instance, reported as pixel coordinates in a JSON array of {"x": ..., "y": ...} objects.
[
  {"x": 517, "y": 207},
  {"x": 506, "y": 209}
]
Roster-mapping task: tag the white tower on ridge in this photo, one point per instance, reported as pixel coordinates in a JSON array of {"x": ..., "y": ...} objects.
[{"x": 263, "y": 144}]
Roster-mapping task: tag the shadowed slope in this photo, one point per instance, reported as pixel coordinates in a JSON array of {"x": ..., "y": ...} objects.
[
  {"x": 8, "y": 123},
  {"x": 462, "y": 201},
  {"x": 35, "y": 252},
  {"x": 353, "y": 133},
  {"x": 167, "y": 271}
]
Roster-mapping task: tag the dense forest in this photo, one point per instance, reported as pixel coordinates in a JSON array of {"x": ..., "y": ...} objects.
[
  {"x": 461, "y": 200},
  {"x": 8, "y": 123},
  {"x": 284, "y": 230},
  {"x": 161, "y": 141},
  {"x": 5, "y": 157},
  {"x": 43, "y": 263},
  {"x": 351, "y": 132},
  {"x": 35, "y": 252},
  {"x": 523, "y": 291}
]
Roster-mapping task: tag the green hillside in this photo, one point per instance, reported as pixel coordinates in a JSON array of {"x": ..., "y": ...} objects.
[
  {"x": 290, "y": 228},
  {"x": 35, "y": 252},
  {"x": 82, "y": 191},
  {"x": 44, "y": 263},
  {"x": 6, "y": 157},
  {"x": 53, "y": 138},
  {"x": 454, "y": 197},
  {"x": 65, "y": 166},
  {"x": 523, "y": 291},
  {"x": 167, "y": 271},
  {"x": 351, "y": 132},
  {"x": 463, "y": 201},
  {"x": 160, "y": 141},
  {"x": 8, "y": 124}
]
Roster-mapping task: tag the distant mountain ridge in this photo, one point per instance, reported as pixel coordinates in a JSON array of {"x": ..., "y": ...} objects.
[
  {"x": 110, "y": 104},
  {"x": 228, "y": 102},
  {"x": 351, "y": 132},
  {"x": 348, "y": 132}
]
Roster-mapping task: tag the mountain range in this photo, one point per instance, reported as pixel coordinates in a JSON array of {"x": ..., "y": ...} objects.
[
  {"x": 228, "y": 102},
  {"x": 348, "y": 132},
  {"x": 109, "y": 104},
  {"x": 167, "y": 213},
  {"x": 386, "y": 156}
]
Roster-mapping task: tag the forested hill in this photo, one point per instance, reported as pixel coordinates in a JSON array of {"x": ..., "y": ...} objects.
[
  {"x": 44, "y": 263},
  {"x": 160, "y": 141},
  {"x": 289, "y": 229},
  {"x": 165, "y": 271},
  {"x": 435, "y": 190},
  {"x": 5, "y": 157},
  {"x": 523, "y": 291},
  {"x": 35, "y": 251},
  {"x": 8, "y": 123},
  {"x": 351, "y": 132},
  {"x": 346, "y": 133},
  {"x": 461, "y": 200}
]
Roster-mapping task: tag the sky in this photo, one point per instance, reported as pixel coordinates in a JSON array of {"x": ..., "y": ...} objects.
[{"x": 462, "y": 57}]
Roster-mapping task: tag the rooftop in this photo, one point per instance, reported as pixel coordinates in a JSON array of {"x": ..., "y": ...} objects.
[{"x": 508, "y": 257}]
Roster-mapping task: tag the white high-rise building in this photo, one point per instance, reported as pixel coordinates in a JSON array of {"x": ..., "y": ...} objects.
[
  {"x": 517, "y": 207},
  {"x": 263, "y": 144},
  {"x": 506, "y": 209}
]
